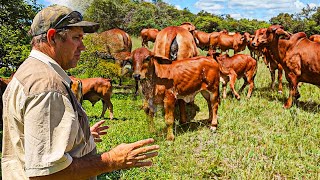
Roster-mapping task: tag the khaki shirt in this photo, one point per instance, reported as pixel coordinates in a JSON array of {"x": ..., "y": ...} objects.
[{"x": 44, "y": 126}]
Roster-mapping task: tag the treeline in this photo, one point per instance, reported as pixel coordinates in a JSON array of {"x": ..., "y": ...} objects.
[{"x": 132, "y": 16}]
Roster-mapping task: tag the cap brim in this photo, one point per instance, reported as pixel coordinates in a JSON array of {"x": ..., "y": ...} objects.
[{"x": 88, "y": 27}]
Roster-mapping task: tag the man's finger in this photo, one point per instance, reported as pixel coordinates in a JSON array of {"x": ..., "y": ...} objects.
[
  {"x": 103, "y": 128},
  {"x": 141, "y": 143},
  {"x": 145, "y": 149},
  {"x": 146, "y": 156},
  {"x": 96, "y": 125}
]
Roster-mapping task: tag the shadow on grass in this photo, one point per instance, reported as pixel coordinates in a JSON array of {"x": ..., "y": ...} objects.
[{"x": 308, "y": 106}]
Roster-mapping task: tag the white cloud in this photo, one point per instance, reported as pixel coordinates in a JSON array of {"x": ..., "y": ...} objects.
[
  {"x": 178, "y": 7},
  {"x": 60, "y": 2},
  {"x": 251, "y": 9}
]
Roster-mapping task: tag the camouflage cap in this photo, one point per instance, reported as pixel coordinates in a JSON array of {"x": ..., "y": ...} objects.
[{"x": 58, "y": 17}]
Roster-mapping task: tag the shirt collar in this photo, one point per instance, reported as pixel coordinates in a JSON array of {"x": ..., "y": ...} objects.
[{"x": 50, "y": 62}]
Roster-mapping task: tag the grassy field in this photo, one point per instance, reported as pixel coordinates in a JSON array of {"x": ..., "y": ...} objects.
[{"x": 256, "y": 137}]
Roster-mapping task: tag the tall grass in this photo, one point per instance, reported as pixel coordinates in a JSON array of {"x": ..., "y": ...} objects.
[{"x": 256, "y": 137}]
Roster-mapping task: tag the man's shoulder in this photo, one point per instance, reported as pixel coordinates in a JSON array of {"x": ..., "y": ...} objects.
[{"x": 37, "y": 77}]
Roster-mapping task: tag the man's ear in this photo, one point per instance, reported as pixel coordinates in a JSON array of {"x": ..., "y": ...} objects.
[{"x": 51, "y": 36}]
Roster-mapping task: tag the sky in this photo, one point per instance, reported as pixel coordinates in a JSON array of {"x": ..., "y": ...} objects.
[{"x": 249, "y": 9}]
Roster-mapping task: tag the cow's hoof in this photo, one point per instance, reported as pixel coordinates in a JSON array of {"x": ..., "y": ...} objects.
[
  {"x": 170, "y": 137},
  {"x": 213, "y": 128}
]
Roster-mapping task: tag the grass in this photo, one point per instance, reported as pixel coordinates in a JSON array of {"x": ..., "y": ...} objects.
[{"x": 256, "y": 137}]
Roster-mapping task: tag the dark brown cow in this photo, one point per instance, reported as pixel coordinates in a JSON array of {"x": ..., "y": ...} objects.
[
  {"x": 94, "y": 90},
  {"x": 315, "y": 38},
  {"x": 148, "y": 35},
  {"x": 236, "y": 67},
  {"x": 176, "y": 43},
  {"x": 269, "y": 60},
  {"x": 299, "y": 57},
  {"x": 203, "y": 39},
  {"x": 167, "y": 81},
  {"x": 237, "y": 42}
]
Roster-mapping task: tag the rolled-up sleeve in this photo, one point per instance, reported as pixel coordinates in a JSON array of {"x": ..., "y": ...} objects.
[{"x": 50, "y": 131}]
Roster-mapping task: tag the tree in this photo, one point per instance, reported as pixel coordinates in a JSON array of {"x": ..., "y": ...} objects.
[{"x": 15, "y": 20}]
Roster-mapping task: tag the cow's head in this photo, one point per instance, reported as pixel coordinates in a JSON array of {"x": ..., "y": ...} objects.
[
  {"x": 140, "y": 61},
  {"x": 259, "y": 38}
]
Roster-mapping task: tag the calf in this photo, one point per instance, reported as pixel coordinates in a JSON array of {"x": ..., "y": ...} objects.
[
  {"x": 165, "y": 81},
  {"x": 95, "y": 89},
  {"x": 236, "y": 67}
]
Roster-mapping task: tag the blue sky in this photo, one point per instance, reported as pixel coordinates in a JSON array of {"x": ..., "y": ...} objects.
[{"x": 250, "y": 9}]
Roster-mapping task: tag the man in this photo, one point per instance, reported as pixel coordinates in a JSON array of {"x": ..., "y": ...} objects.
[{"x": 46, "y": 132}]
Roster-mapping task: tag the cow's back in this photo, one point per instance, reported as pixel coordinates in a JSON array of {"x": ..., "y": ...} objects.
[
  {"x": 175, "y": 38},
  {"x": 117, "y": 41}
]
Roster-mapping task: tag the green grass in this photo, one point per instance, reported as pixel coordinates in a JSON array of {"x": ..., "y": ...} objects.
[{"x": 256, "y": 137}]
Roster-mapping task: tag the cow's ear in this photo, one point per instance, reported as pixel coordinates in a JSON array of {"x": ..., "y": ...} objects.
[{"x": 162, "y": 60}]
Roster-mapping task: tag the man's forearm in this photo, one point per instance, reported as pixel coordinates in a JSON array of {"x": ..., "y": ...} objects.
[{"x": 83, "y": 168}]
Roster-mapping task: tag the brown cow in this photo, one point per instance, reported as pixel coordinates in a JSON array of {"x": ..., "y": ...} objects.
[
  {"x": 148, "y": 35},
  {"x": 188, "y": 26},
  {"x": 236, "y": 67},
  {"x": 118, "y": 45},
  {"x": 269, "y": 60},
  {"x": 203, "y": 39},
  {"x": 299, "y": 57},
  {"x": 167, "y": 81},
  {"x": 237, "y": 42},
  {"x": 315, "y": 38},
  {"x": 176, "y": 43},
  {"x": 95, "y": 89}
]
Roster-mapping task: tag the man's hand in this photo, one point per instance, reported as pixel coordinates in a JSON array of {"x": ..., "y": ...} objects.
[
  {"x": 126, "y": 156},
  {"x": 97, "y": 131}
]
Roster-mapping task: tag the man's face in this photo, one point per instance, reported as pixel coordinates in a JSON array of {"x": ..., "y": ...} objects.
[{"x": 68, "y": 51}]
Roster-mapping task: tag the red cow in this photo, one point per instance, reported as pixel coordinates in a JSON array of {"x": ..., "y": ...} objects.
[
  {"x": 237, "y": 42},
  {"x": 299, "y": 57},
  {"x": 176, "y": 43},
  {"x": 188, "y": 26},
  {"x": 167, "y": 81},
  {"x": 236, "y": 67},
  {"x": 269, "y": 60},
  {"x": 315, "y": 38},
  {"x": 95, "y": 89},
  {"x": 148, "y": 35},
  {"x": 203, "y": 39}
]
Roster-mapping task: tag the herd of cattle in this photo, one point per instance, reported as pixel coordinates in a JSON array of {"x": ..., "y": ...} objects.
[{"x": 174, "y": 72}]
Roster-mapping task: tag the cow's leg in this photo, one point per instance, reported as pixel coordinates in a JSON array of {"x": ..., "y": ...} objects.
[
  {"x": 110, "y": 107},
  {"x": 280, "y": 71},
  {"x": 224, "y": 81},
  {"x": 104, "y": 108},
  {"x": 293, "y": 83},
  {"x": 136, "y": 93},
  {"x": 245, "y": 83},
  {"x": 250, "y": 79},
  {"x": 233, "y": 78},
  {"x": 212, "y": 99},
  {"x": 169, "y": 102},
  {"x": 182, "y": 109},
  {"x": 150, "y": 110}
]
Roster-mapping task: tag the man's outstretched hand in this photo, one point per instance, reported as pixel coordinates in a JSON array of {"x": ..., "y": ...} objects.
[{"x": 135, "y": 154}]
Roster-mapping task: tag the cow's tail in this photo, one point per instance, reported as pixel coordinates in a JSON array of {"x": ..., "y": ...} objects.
[{"x": 174, "y": 50}]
